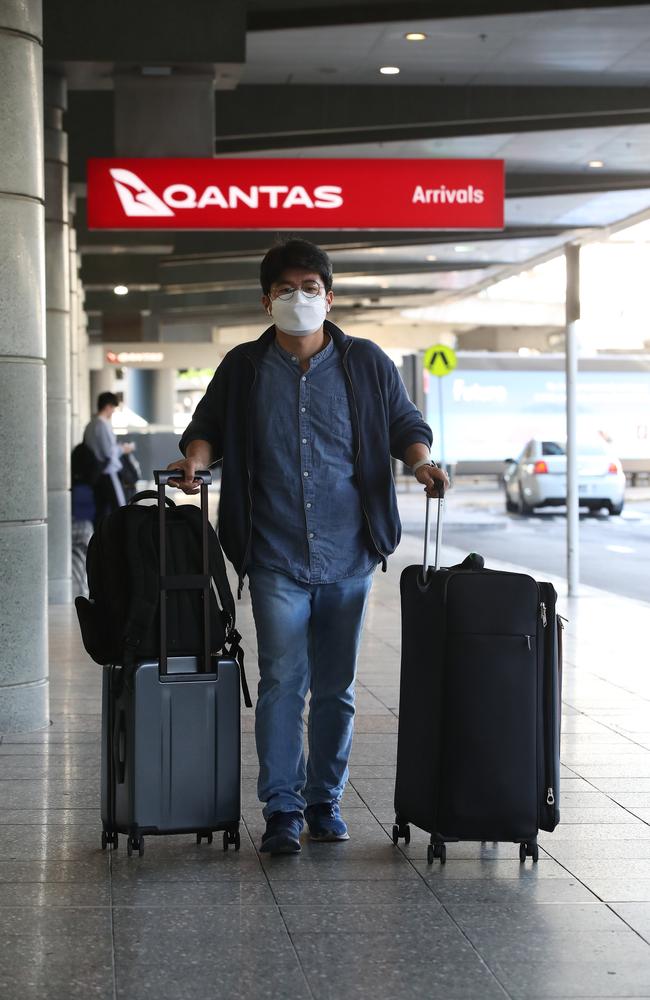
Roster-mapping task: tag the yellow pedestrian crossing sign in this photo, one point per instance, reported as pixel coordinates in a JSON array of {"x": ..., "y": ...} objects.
[{"x": 440, "y": 360}]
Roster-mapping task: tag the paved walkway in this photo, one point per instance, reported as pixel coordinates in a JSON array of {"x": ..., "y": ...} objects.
[{"x": 355, "y": 920}]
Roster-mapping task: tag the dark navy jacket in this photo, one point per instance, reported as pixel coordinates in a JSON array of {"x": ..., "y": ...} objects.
[{"x": 384, "y": 422}]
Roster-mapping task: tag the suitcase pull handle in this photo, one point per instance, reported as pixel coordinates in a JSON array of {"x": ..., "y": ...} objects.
[
  {"x": 427, "y": 533},
  {"x": 162, "y": 477}
]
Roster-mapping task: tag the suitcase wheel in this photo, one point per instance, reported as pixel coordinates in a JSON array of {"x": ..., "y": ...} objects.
[
  {"x": 529, "y": 849},
  {"x": 207, "y": 834},
  {"x": 437, "y": 851},
  {"x": 109, "y": 839},
  {"x": 135, "y": 842},
  {"x": 401, "y": 830},
  {"x": 231, "y": 837}
]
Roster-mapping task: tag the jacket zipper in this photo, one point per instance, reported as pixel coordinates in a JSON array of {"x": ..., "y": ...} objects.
[
  {"x": 244, "y": 564},
  {"x": 358, "y": 455}
]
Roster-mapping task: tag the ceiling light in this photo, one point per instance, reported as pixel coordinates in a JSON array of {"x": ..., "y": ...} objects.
[
  {"x": 121, "y": 290},
  {"x": 415, "y": 36},
  {"x": 463, "y": 248},
  {"x": 431, "y": 256},
  {"x": 389, "y": 70},
  {"x": 596, "y": 164}
]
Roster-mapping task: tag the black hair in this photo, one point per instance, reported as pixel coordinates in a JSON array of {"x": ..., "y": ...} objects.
[
  {"x": 106, "y": 399},
  {"x": 294, "y": 253}
]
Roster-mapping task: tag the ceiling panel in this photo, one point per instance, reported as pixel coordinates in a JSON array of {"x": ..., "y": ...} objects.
[{"x": 560, "y": 47}]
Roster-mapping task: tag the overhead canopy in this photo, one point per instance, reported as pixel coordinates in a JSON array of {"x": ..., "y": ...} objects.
[{"x": 560, "y": 94}]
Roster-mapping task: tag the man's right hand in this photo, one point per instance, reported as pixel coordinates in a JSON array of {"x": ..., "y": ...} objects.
[
  {"x": 186, "y": 481},
  {"x": 197, "y": 456}
]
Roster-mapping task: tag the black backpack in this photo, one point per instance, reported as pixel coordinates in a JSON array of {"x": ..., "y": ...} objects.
[
  {"x": 120, "y": 624},
  {"x": 85, "y": 467}
]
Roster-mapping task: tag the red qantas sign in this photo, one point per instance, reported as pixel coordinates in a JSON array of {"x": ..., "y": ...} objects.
[{"x": 295, "y": 194}]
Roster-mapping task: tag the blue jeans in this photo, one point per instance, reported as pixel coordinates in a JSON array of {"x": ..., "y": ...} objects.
[{"x": 308, "y": 640}]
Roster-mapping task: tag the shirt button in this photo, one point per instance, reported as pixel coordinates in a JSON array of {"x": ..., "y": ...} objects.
[
  {"x": 302, "y": 409},
  {"x": 304, "y": 440},
  {"x": 293, "y": 357},
  {"x": 305, "y": 474},
  {"x": 304, "y": 378},
  {"x": 311, "y": 534},
  {"x": 308, "y": 506}
]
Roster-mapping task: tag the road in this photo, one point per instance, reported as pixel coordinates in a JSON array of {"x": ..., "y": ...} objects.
[{"x": 614, "y": 551}]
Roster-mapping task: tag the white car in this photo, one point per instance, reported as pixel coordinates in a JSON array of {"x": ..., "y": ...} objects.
[{"x": 538, "y": 477}]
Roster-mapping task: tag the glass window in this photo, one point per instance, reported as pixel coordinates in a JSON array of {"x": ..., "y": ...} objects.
[{"x": 552, "y": 448}]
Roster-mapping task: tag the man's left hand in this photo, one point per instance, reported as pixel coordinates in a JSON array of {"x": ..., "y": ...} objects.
[{"x": 434, "y": 480}]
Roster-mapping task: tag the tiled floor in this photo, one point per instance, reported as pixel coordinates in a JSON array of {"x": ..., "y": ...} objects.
[{"x": 355, "y": 920}]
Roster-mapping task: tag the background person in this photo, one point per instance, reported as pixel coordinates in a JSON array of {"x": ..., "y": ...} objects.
[
  {"x": 305, "y": 420},
  {"x": 99, "y": 436}
]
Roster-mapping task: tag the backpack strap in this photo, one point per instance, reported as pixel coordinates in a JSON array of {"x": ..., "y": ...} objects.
[
  {"x": 149, "y": 495},
  {"x": 237, "y": 653},
  {"x": 217, "y": 569}
]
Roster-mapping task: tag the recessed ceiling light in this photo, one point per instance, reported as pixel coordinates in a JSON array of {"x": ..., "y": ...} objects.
[
  {"x": 596, "y": 164},
  {"x": 415, "y": 36},
  {"x": 389, "y": 70},
  {"x": 121, "y": 290},
  {"x": 431, "y": 256},
  {"x": 463, "y": 248}
]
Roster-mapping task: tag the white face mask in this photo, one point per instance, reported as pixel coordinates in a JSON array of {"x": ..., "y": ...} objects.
[{"x": 301, "y": 315}]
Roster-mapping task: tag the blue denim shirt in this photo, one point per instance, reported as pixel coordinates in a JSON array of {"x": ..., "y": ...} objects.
[{"x": 308, "y": 520}]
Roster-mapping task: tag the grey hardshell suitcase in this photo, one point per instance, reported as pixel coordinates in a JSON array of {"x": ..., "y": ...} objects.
[{"x": 171, "y": 756}]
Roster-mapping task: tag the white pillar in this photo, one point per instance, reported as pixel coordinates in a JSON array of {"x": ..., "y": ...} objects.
[
  {"x": 572, "y": 253},
  {"x": 86, "y": 406},
  {"x": 76, "y": 430},
  {"x": 57, "y": 270},
  {"x": 23, "y": 533}
]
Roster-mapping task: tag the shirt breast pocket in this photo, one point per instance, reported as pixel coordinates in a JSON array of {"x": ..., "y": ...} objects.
[{"x": 340, "y": 423}]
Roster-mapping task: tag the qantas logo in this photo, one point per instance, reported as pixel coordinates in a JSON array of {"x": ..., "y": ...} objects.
[{"x": 138, "y": 200}]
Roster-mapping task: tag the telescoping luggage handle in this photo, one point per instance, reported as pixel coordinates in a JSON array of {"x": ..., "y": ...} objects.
[
  {"x": 427, "y": 533},
  {"x": 162, "y": 478}
]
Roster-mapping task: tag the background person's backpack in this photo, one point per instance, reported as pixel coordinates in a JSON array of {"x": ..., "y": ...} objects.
[{"x": 85, "y": 467}]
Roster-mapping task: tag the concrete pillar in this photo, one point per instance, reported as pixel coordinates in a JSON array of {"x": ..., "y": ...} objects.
[
  {"x": 101, "y": 380},
  {"x": 76, "y": 430},
  {"x": 164, "y": 396},
  {"x": 164, "y": 115},
  {"x": 151, "y": 393},
  {"x": 23, "y": 532},
  {"x": 86, "y": 407},
  {"x": 57, "y": 297}
]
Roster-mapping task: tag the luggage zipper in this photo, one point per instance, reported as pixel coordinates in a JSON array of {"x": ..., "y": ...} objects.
[
  {"x": 542, "y": 609},
  {"x": 550, "y": 797}
]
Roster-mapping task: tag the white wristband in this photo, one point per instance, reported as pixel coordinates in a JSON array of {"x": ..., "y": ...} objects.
[{"x": 418, "y": 465}]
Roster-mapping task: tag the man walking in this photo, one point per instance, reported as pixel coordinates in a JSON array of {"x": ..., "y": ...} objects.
[{"x": 305, "y": 420}]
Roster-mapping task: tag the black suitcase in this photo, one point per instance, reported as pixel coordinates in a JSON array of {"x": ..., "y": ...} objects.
[
  {"x": 478, "y": 753},
  {"x": 171, "y": 758}
]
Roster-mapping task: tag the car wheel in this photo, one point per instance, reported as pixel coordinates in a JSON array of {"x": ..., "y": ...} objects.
[
  {"x": 523, "y": 506},
  {"x": 615, "y": 508},
  {"x": 511, "y": 507}
]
